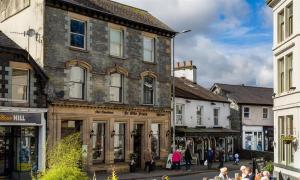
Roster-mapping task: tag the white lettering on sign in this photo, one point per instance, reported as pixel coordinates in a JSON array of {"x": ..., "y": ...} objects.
[{"x": 19, "y": 118}]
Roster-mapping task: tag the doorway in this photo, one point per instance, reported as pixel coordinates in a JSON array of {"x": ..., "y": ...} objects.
[{"x": 137, "y": 144}]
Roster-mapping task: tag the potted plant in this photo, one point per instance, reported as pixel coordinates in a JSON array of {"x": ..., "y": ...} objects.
[{"x": 288, "y": 139}]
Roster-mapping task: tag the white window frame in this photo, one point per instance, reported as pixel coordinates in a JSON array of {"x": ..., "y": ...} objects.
[
  {"x": 121, "y": 88},
  {"x": 284, "y": 150},
  {"x": 289, "y": 19},
  {"x": 152, "y": 50},
  {"x": 181, "y": 116},
  {"x": 84, "y": 36},
  {"x": 216, "y": 117},
  {"x": 281, "y": 26},
  {"x": 27, "y": 88},
  {"x": 83, "y": 83},
  {"x": 289, "y": 71},
  {"x": 199, "y": 117},
  {"x": 120, "y": 44},
  {"x": 249, "y": 114},
  {"x": 263, "y": 113}
]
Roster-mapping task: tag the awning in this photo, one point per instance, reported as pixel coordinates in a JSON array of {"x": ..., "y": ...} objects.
[{"x": 218, "y": 131}]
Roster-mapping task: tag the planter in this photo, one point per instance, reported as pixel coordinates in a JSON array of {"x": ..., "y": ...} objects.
[{"x": 288, "y": 139}]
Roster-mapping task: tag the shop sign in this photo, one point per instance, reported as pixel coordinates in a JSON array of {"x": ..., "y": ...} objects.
[
  {"x": 134, "y": 113},
  {"x": 160, "y": 114},
  {"x": 103, "y": 112},
  {"x": 20, "y": 117}
]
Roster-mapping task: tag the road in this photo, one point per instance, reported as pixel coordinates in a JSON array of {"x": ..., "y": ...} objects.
[{"x": 198, "y": 176}]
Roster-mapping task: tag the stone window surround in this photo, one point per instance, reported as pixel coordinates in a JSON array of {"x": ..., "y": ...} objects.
[
  {"x": 155, "y": 39},
  {"x": 123, "y": 29},
  {"x": 154, "y": 76}
]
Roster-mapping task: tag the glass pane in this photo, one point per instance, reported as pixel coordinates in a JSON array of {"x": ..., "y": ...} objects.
[
  {"x": 116, "y": 36},
  {"x": 148, "y": 82},
  {"x": 115, "y": 49},
  {"x": 148, "y": 43},
  {"x": 19, "y": 84},
  {"x": 77, "y": 74},
  {"x": 77, "y": 40},
  {"x": 148, "y": 56},
  {"x": 115, "y": 80},
  {"x": 76, "y": 90},
  {"x": 119, "y": 142},
  {"x": 115, "y": 94},
  {"x": 77, "y": 27},
  {"x": 98, "y": 141}
]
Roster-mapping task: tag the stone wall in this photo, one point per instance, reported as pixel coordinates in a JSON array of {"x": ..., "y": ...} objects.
[{"x": 58, "y": 52}]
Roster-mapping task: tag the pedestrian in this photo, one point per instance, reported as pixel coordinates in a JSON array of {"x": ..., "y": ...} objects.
[
  {"x": 148, "y": 160},
  {"x": 243, "y": 171},
  {"x": 221, "y": 159},
  {"x": 224, "y": 174},
  {"x": 236, "y": 158},
  {"x": 249, "y": 173},
  {"x": 176, "y": 158},
  {"x": 188, "y": 159},
  {"x": 254, "y": 165},
  {"x": 209, "y": 158}
]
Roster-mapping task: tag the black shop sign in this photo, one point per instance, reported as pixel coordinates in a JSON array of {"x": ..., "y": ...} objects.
[{"x": 9, "y": 117}]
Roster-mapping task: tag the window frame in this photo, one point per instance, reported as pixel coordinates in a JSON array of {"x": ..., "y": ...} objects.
[
  {"x": 246, "y": 112},
  {"x": 289, "y": 19},
  {"x": 83, "y": 83},
  {"x": 265, "y": 113},
  {"x": 120, "y": 44},
  {"x": 153, "y": 90},
  {"x": 178, "y": 114},
  {"x": 84, "y": 36},
  {"x": 103, "y": 141},
  {"x": 289, "y": 71},
  {"x": 216, "y": 118},
  {"x": 286, "y": 151},
  {"x": 121, "y": 88},
  {"x": 158, "y": 139},
  {"x": 124, "y": 141},
  {"x": 27, "y": 88},
  {"x": 281, "y": 26},
  {"x": 152, "y": 50},
  {"x": 281, "y": 75},
  {"x": 199, "y": 116}
]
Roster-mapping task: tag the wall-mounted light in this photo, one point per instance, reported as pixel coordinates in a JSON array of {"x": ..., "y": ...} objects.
[
  {"x": 150, "y": 133},
  {"x": 133, "y": 133},
  {"x": 92, "y": 133},
  {"x": 113, "y": 133},
  {"x": 168, "y": 133}
]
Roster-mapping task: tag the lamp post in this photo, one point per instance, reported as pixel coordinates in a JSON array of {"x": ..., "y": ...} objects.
[{"x": 173, "y": 96}]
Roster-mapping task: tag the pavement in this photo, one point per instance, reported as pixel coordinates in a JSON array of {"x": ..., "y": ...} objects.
[{"x": 158, "y": 173}]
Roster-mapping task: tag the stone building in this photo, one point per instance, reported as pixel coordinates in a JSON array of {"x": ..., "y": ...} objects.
[
  {"x": 109, "y": 69},
  {"x": 22, "y": 112},
  {"x": 286, "y": 88},
  {"x": 251, "y": 114},
  {"x": 202, "y": 117}
]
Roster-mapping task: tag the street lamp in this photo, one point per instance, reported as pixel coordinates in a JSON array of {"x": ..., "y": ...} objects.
[{"x": 173, "y": 74}]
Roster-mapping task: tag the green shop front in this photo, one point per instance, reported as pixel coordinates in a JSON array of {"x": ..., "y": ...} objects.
[{"x": 22, "y": 142}]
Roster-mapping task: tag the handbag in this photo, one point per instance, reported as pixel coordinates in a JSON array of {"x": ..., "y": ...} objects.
[{"x": 205, "y": 163}]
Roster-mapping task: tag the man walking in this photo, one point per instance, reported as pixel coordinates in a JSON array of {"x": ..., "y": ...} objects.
[
  {"x": 209, "y": 158},
  {"x": 221, "y": 159},
  {"x": 188, "y": 159}
]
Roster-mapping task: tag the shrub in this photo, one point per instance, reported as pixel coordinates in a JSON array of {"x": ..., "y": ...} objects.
[
  {"x": 64, "y": 173},
  {"x": 269, "y": 167}
]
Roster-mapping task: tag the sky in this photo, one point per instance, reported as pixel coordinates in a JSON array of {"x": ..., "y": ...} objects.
[{"x": 230, "y": 41}]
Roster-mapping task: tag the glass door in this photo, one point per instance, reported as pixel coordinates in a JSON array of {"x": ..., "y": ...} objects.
[{"x": 5, "y": 151}]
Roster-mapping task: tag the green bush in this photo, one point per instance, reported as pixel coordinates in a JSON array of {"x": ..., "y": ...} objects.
[
  {"x": 269, "y": 167},
  {"x": 65, "y": 159}
]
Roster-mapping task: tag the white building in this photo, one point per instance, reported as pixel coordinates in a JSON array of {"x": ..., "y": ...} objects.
[
  {"x": 251, "y": 113},
  {"x": 286, "y": 42},
  {"x": 201, "y": 116}
]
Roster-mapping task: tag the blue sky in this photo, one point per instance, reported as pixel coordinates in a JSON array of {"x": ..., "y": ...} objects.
[{"x": 230, "y": 42}]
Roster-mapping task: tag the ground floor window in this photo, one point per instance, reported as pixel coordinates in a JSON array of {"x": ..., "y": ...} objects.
[
  {"x": 119, "y": 142},
  {"x": 253, "y": 140},
  {"x": 155, "y": 140},
  {"x": 98, "y": 139}
]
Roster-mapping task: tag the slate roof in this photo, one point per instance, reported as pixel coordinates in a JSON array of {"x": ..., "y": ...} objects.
[
  {"x": 122, "y": 11},
  {"x": 8, "y": 45},
  {"x": 187, "y": 89},
  {"x": 248, "y": 94}
]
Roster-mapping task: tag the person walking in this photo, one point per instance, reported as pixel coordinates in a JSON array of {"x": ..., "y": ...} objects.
[
  {"x": 236, "y": 158},
  {"x": 223, "y": 174},
  {"x": 188, "y": 159},
  {"x": 209, "y": 158},
  {"x": 176, "y": 158},
  {"x": 221, "y": 159},
  {"x": 148, "y": 160}
]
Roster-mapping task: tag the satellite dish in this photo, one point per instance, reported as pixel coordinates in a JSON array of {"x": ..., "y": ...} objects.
[{"x": 30, "y": 32}]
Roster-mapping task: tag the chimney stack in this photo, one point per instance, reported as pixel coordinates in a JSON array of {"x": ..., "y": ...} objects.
[{"x": 187, "y": 70}]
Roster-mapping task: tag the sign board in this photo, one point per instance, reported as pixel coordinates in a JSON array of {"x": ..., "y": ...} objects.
[
  {"x": 169, "y": 162},
  {"x": 10, "y": 117}
]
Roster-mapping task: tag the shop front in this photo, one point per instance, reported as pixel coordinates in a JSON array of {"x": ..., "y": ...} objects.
[
  {"x": 113, "y": 136},
  {"x": 22, "y": 142}
]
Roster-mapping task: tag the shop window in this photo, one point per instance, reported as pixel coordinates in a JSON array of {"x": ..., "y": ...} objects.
[
  {"x": 98, "y": 140},
  {"x": 149, "y": 47},
  {"x": 77, "y": 82},
  {"x": 119, "y": 142},
  {"x": 148, "y": 88},
  {"x": 116, "y": 87},
  {"x": 246, "y": 112},
  {"x": 19, "y": 84},
  {"x": 216, "y": 116},
  {"x": 116, "y": 42},
  {"x": 179, "y": 114},
  {"x": 155, "y": 141},
  {"x": 78, "y": 34},
  {"x": 199, "y": 115}
]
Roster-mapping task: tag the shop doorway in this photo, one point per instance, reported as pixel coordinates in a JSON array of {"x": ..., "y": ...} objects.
[
  {"x": 137, "y": 144},
  {"x": 18, "y": 151}
]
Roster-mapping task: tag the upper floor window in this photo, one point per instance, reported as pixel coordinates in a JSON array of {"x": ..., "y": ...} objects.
[
  {"x": 149, "y": 49},
  {"x": 20, "y": 82},
  {"x": 199, "y": 113},
  {"x": 289, "y": 19},
  {"x": 281, "y": 26},
  {"x": 289, "y": 74},
  {"x": 246, "y": 112},
  {"x": 285, "y": 128},
  {"x": 116, "y": 87},
  {"x": 116, "y": 42},
  {"x": 148, "y": 88},
  {"x": 179, "y": 114},
  {"x": 265, "y": 113},
  {"x": 78, "y": 33},
  {"x": 77, "y": 82},
  {"x": 281, "y": 75},
  {"x": 216, "y": 116}
]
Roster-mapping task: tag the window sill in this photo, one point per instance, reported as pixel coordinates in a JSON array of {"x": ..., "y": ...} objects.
[
  {"x": 78, "y": 49},
  {"x": 118, "y": 57},
  {"x": 147, "y": 62}
]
